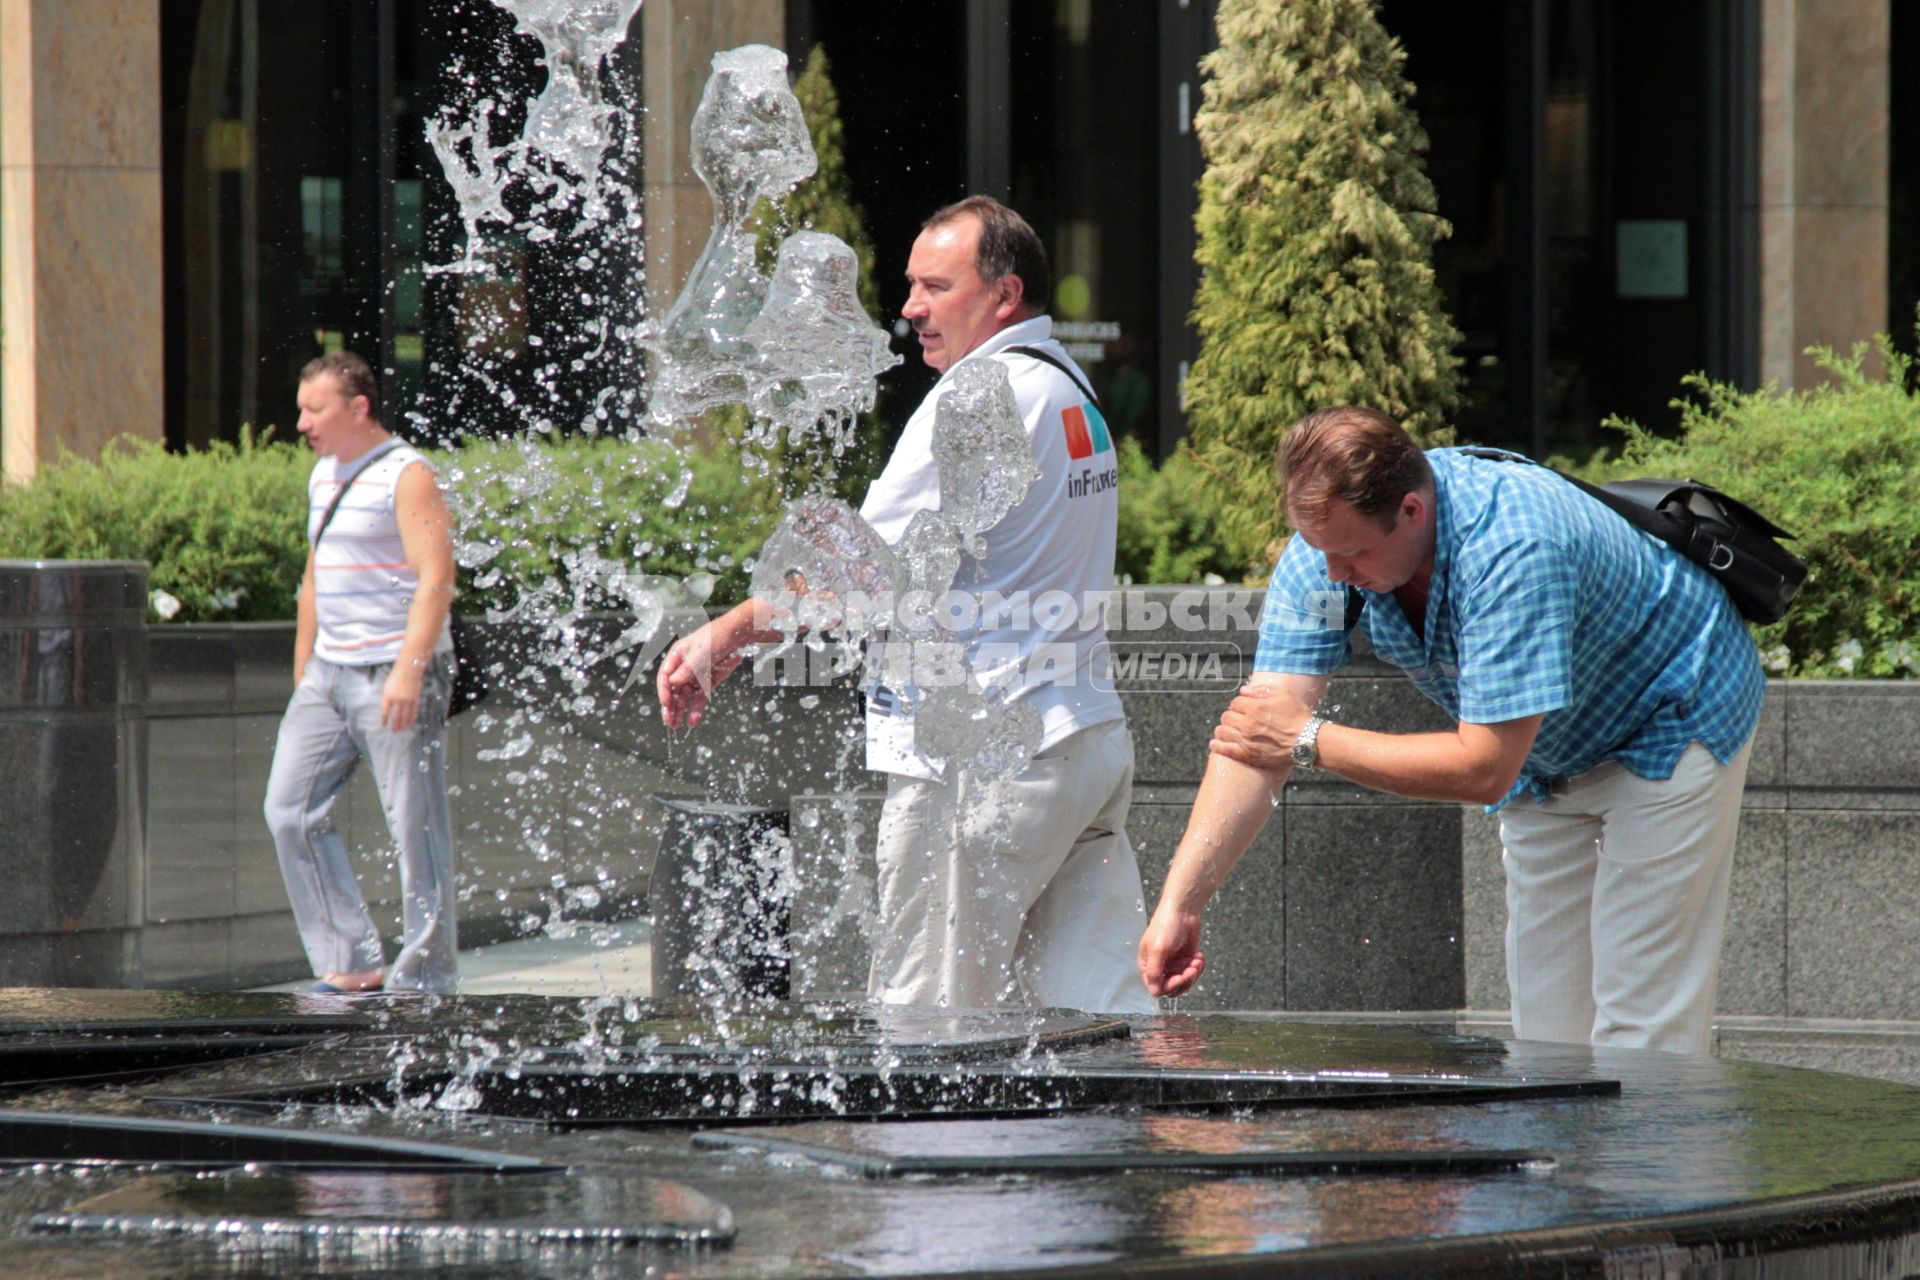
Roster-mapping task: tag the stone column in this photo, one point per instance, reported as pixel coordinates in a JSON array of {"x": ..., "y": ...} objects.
[
  {"x": 81, "y": 342},
  {"x": 73, "y": 755},
  {"x": 681, "y": 37},
  {"x": 1824, "y": 85}
]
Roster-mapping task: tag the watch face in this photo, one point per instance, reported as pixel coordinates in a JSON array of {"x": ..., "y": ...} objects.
[{"x": 1306, "y": 751}]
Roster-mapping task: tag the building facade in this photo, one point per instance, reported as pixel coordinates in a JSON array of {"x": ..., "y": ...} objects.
[{"x": 197, "y": 196}]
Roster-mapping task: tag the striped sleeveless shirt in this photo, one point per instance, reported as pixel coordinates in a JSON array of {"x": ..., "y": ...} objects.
[{"x": 363, "y": 586}]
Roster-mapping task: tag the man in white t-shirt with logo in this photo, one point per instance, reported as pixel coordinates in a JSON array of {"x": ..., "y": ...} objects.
[
  {"x": 372, "y": 671},
  {"x": 1018, "y": 890}
]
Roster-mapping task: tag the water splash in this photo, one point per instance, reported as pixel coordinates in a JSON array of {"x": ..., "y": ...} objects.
[
  {"x": 985, "y": 456},
  {"x": 829, "y": 573},
  {"x": 749, "y": 143},
  {"x": 559, "y": 157},
  {"x": 799, "y": 350},
  {"x": 800, "y": 353},
  {"x": 819, "y": 354}
]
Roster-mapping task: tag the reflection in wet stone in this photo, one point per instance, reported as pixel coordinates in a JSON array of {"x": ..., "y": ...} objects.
[{"x": 468, "y": 1215}]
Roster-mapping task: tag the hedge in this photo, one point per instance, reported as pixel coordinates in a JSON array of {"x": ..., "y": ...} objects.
[
  {"x": 222, "y": 529},
  {"x": 1836, "y": 464}
]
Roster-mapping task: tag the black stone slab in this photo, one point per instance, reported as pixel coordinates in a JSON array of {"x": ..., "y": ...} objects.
[
  {"x": 45, "y": 1009},
  {"x": 36, "y": 1138},
  {"x": 1284, "y": 1164},
  {"x": 724, "y": 1093}
]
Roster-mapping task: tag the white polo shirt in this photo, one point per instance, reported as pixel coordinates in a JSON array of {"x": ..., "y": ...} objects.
[{"x": 1041, "y": 591}]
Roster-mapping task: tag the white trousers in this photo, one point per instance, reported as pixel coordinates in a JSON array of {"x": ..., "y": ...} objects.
[
  {"x": 1617, "y": 901},
  {"x": 333, "y": 723},
  {"x": 1014, "y": 891}
]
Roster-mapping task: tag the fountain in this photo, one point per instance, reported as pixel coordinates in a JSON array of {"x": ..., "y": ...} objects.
[
  {"x": 149, "y": 1134},
  {"x": 734, "y": 1134}
]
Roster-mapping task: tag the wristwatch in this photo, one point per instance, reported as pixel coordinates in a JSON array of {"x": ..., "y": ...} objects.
[{"x": 1306, "y": 747}]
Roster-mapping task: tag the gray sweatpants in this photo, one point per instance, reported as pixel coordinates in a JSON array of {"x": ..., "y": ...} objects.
[{"x": 332, "y": 723}]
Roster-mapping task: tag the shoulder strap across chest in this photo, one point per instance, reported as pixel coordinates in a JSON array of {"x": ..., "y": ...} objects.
[{"x": 1059, "y": 364}]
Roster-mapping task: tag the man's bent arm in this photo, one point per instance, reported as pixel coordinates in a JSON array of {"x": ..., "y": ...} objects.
[
  {"x": 1233, "y": 805},
  {"x": 1473, "y": 763},
  {"x": 426, "y": 533}
]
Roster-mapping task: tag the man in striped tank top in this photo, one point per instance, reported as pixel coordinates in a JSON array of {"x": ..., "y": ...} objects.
[{"x": 372, "y": 671}]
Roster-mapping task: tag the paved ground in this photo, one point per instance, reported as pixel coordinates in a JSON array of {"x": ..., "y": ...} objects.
[{"x": 612, "y": 959}]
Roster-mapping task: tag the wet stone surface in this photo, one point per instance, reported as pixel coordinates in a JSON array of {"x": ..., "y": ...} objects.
[{"x": 586, "y": 1138}]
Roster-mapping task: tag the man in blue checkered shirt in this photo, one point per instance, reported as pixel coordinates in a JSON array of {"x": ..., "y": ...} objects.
[{"x": 1605, "y": 692}]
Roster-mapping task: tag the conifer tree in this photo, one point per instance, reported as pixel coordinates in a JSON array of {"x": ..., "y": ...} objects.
[{"x": 1316, "y": 229}]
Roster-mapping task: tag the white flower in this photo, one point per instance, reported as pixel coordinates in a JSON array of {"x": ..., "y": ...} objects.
[
  {"x": 165, "y": 605},
  {"x": 1849, "y": 652},
  {"x": 1777, "y": 659},
  {"x": 229, "y": 599},
  {"x": 1901, "y": 653}
]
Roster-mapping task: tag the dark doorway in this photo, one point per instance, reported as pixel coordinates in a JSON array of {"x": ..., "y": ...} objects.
[
  {"x": 1903, "y": 203},
  {"x": 1589, "y": 154}
]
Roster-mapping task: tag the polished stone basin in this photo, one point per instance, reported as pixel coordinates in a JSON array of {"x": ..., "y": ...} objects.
[{"x": 1170, "y": 1145}]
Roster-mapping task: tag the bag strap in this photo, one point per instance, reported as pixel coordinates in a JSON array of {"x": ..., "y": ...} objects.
[
  {"x": 1730, "y": 540},
  {"x": 1641, "y": 504},
  {"x": 341, "y": 492},
  {"x": 1639, "y": 516},
  {"x": 1059, "y": 364}
]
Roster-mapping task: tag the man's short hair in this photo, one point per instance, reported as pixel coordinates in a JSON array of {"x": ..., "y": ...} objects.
[
  {"x": 1008, "y": 247},
  {"x": 355, "y": 377},
  {"x": 1347, "y": 454}
]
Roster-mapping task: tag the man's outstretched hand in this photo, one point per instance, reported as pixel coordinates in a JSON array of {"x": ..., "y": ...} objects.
[
  {"x": 1170, "y": 955},
  {"x": 693, "y": 666}
]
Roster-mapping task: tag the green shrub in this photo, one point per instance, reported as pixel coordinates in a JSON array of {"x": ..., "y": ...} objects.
[
  {"x": 1316, "y": 230},
  {"x": 524, "y": 507},
  {"x": 1170, "y": 528},
  {"x": 221, "y": 528},
  {"x": 1838, "y": 465}
]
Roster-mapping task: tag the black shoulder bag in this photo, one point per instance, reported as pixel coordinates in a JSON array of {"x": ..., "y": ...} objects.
[
  {"x": 1723, "y": 535},
  {"x": 469, "y": 678}
]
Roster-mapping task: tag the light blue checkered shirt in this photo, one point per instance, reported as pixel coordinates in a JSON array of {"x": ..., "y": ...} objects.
[{"x": 1542, "y": 601}]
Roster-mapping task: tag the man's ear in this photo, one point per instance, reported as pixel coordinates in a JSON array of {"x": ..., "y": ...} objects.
[{"x": 1012, "y": 293}]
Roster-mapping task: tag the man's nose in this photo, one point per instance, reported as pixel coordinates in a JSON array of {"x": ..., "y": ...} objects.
[{"x": 916, "y": 306}]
